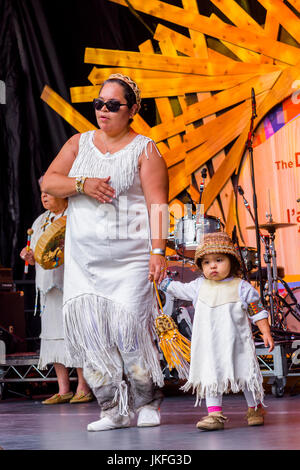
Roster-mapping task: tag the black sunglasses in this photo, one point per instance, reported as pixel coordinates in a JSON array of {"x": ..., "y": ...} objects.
[{"x": 112, "y": 105}]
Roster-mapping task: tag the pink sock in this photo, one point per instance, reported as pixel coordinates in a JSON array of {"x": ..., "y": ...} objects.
[
  {"x": 258, "y": 406},
  {"x": 211, "y": 409}
]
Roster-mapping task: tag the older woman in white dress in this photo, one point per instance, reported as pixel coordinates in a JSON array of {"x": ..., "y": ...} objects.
[
  {"x": 114, "y": 249},
  {"x": 49, "y": 288}
]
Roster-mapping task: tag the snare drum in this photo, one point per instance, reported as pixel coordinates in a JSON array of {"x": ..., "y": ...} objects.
[
  {"x": 187, "y": 233},
  {"x": 250, "y": 258}
]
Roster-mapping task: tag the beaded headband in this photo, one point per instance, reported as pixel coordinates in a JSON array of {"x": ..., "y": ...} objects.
[{"x": 132, "y": 85}]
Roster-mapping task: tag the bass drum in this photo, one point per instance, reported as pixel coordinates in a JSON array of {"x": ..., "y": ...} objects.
[{"x": 291, "y": 322}]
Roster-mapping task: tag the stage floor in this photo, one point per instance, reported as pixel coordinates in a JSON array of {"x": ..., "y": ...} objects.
[{"x": 29, "y": 425}]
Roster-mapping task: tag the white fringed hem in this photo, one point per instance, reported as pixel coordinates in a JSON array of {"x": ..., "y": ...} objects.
[
  {"x": 54, "y": 351},
  {"x": 202, "y": 390},
  {"x": 94, "y": 324}
]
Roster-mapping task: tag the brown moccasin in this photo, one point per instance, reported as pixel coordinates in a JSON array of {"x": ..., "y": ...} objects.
[
  {"x": 58, "y": 399},
  {"x": 255, "y": 417},
  {"x": 213, "y": 422},
  {"x": 82, "y": 397}
]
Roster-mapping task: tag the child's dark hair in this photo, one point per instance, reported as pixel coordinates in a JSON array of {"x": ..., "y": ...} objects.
[{"x": 235, "y": 270}]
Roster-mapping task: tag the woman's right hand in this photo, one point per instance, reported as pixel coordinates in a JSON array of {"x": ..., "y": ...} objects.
[
  {"x": 27, "y": 256},
  {"x": 100, "y": 189}
]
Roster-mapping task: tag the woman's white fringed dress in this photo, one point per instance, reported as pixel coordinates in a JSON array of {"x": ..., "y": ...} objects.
[{"x": 108, "y": 299}]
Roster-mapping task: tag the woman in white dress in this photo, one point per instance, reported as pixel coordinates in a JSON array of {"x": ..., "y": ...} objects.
[
  {"x": 114, "y": 249},
  {"x": 49, "y": 288}
]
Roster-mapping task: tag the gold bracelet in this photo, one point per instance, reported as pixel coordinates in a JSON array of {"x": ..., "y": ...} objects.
[{"x": 80, "y": 180}]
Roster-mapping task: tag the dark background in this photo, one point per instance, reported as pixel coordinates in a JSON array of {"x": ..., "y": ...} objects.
[{"x": 43, "y": 42}]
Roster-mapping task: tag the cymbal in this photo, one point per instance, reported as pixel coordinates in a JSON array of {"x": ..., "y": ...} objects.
[{"x": 271, "y": 226}]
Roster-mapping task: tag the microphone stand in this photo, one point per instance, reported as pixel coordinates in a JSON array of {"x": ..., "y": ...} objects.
[
  {"x": 201, "y": 188},
  {"x": 250, "y": 150},
  {"x": 200, "y": 214}
]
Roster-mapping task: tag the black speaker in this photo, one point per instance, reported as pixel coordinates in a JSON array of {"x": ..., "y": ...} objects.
[
  {"x": 12, "y": 316},
  {"x": 13, "y": 344}
]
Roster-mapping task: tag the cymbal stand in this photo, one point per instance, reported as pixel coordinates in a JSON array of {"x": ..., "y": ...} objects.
[
  {"x": 269, "y": 292},
  {"x": 250, "y": 150},
  {"x": 247, "y": 205}
]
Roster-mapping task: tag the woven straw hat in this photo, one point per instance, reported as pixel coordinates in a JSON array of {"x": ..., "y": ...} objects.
[{"x": 216, "y": 242}]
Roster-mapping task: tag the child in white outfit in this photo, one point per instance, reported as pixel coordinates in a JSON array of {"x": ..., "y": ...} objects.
[{"x": 223, "y": 356}]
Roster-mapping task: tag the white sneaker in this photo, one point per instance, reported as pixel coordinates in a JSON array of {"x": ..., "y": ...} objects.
[
  {"x": 104, "y": 424},
  {"x": 148, "y": 417}
]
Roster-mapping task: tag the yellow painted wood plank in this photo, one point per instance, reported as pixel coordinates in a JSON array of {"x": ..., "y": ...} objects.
[
  {"x": 164, "y": 87},
  {"x": 218, "y": 57},
  {"x": 284, "y": 16},
  {"x": 178, "y": 180},
  {"x": 271, "y": 26},
  {"x": 225, "y": 170},
  {"x": 243, "y": 20},
  {"x": 229, "y": 97},
  {"x": 214, "y": 127},
  {"x": 99, "y": 75},
  {"x": 172, "y": 64},
  {"x": 213, "y": 104},
  {"x": 231, "y": 219},
  {"x": 162, "y": 104},
  {"x": 65, "y": 110},
  {"x": 225, "y": 133},
  {"x": 250, "y": 40},
  {"x": 176, "y": 211},
  {"x": 295, "y": 4},
  {"x": 243, "y": 54},
  {"x": 140, "y": 126},
  {"x": 237, "y": 15},
  {"x": 184, "y": 44},
  {"x": 166, "y": 112},
  {"x": 168, "y": 129},
  {"x": 280, "y": 91},
  {"x": 198, "y": 39},
  {"x": 175, "y": 154}
]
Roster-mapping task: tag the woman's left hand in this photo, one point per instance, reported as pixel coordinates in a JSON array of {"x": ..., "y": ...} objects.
[{"x": 157, "y": 268}]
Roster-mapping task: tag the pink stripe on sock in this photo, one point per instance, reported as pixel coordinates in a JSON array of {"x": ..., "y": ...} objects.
[{"x": 211, "y": 409}]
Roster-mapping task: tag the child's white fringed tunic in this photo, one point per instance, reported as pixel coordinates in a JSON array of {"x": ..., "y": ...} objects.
[
  {"x": 108, "y": 299},
  {"x": 223, "y": 356}
]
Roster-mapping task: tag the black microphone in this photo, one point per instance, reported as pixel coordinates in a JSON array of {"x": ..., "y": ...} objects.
[
  {"x": 201, "y": 186},
  {"x": 233, "y": 235},
  {"x": 253, "y": 103},
  {"x": 240, "y": 190}
]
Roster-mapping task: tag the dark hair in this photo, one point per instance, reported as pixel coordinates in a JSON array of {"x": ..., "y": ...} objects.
[
  {"x": 235, "y": 269},
  {"x": 129, "y": 94}
]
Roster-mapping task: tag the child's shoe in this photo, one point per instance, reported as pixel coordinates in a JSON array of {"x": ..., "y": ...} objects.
[
  {"x": 213, "y": 422},
  {"x": 255, "y": 417}
]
